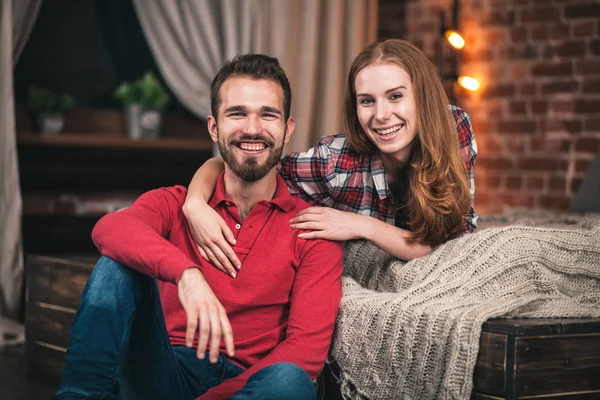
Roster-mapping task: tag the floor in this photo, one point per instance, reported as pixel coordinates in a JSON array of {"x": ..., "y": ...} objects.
[{"x": 13, "y": 383}]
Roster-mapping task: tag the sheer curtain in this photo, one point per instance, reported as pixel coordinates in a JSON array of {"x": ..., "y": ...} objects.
[
  {"x": 190, "y": 40},
  {"x": 314, "y": 39},
  {"x": 16, "y": 21}
]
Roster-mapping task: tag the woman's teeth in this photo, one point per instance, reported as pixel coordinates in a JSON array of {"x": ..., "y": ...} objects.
[
  {"x": 252, "y": 146},
  {"x": 388, "y": 131}
]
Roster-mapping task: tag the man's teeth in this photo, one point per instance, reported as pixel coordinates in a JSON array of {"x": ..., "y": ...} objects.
[
  {"x": 389, "y": 130},
  {"x": 252, "y": 146}
]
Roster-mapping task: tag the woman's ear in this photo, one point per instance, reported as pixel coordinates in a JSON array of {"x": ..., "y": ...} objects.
[{"x": 290, "y": 125}]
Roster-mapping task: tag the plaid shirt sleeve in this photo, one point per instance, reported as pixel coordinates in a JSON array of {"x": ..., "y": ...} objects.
[
  {"x": 311, "y": 175},
  {"x": 468, "y": 150}
]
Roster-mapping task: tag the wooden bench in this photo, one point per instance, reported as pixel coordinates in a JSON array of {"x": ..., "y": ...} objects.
[{"x": 518, "y": 358}]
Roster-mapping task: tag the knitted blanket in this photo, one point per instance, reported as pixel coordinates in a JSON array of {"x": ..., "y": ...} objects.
[{"x": 411, "y": 330}]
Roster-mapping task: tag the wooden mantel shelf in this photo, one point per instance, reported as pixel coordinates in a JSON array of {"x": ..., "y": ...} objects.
[{"x": 123, "y": 142}]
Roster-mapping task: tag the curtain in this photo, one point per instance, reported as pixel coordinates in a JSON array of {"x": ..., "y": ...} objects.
[
  {"x": 190, "y": 40},
  {"x": 315, "y": 40},
  {"x": 11, "y": 263},
  {"x": 24, "y": 13},
  {"x": 16, "y": 21}
]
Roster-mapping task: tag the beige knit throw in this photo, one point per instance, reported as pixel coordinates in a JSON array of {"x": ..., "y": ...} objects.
[{"x": 411, "y": 330}]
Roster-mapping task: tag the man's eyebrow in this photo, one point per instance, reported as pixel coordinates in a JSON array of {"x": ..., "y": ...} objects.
[
  {"x": 271, "y": 110},
  {"x": 387, "y": 91},
  {"x": 235, "y": 109}
]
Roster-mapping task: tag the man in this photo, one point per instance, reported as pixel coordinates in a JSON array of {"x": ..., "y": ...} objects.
[{"x": 267, "y": 329}]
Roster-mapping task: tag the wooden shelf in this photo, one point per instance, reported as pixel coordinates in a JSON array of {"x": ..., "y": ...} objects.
[{"x": 113, "y": 141}]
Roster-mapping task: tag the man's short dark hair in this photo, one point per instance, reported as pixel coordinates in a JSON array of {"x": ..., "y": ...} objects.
[{"x": 254, "y": 66}]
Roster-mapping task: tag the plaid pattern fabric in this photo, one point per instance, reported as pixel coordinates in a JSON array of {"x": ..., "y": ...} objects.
[{"x": 333, "y": 175}]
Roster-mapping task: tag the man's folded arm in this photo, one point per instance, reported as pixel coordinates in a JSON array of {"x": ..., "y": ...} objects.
[
  {"x": 314, "y": 305},
  {"x": 136, "y": 236}
]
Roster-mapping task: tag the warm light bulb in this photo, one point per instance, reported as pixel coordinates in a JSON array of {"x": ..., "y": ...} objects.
[
  {"x": 455, "y": 39},
  {"x": 468, "y": 83}
]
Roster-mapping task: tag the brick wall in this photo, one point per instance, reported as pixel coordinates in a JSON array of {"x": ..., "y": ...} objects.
[{"x": 537, "y": 115}]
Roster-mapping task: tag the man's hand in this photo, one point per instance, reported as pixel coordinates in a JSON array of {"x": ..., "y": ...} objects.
[
  {"x": 204, "y": 311},
  {"x": 212, "y": 236},
  {"x": 328, "y": 223}
]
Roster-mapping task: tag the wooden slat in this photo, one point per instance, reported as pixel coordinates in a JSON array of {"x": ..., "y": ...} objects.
[
  {"x": 55, "y": 281},
  {"x": 489, "y": 376},
  {"x": 542, "y": 326},
  {"x": 49, "y": 323},
  {"x": 557, "y": 364},
  {"x": 107, "y": 141},
  {"x": 481, "y": 396},
  {"x": 44, "y": 363}
]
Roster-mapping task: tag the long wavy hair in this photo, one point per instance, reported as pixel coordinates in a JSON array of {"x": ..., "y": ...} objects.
[{"x": 438, "y": 198}]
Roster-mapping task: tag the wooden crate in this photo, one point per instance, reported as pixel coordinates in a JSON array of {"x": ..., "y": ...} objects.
[
  {"x": 518, "y": 358},
  {"x": 54, "y": 286},
  {"x": 538, "y": 358}
]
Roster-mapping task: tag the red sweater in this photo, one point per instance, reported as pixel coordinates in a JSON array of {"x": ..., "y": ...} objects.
[{"x": 283, "y": 303}]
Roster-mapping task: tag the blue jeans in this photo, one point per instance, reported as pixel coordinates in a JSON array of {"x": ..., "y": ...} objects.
[{"x": 119, "y": 349}]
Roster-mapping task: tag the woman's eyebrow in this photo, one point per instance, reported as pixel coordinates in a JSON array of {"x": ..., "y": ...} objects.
[{"x": 387, "y": 91}]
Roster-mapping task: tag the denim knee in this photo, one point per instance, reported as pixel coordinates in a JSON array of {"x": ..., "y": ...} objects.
[
  {"x": 286, "y": 381},
  {"x": 110, "y": 282}
]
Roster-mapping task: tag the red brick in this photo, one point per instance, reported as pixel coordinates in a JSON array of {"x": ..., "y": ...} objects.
[
  {"x": 492, "y": 181},
  {"x": 538, "y": 106},
  {"x": 518, "y": 127},
  {"x": 595, "y": 46},
  {"x": 501, "y": 90},
  {"x": 488, "y": 144},
  {"x": 514, "y": 145},
  {"x": 537, "y": 144},
  {"x": 480, "y": 126},
  {"x": 591, "y": 85},
  {"x": 518, "y": 35},
  {"x": 583, "y": 29},
  {"x": 478, "y": 56},
  {"x": 581, "y": 166},
  {"x": 575, "y": 184},
  {"x": 499, "y": 163},
  {"x": 592, "y": 124},
  {"x": 482, "y": 201},
  {"x": 534, "y": 183},
  {"x": 587, "y": 145},
  {"x": 539, "y": 33},
  {"x": 540, "y": 14},
  {"x": 562, "y": 106},
  {"x": 519, "y": 71},
  {"x": 587, "y": 106},
  {"x": 572, "y": 126},
  {"x": 590, "y": 10},
  {"x": 539, "y": 164},
  {"x": 552, "y": 69},
  {"x": 501, "y": 18},
  {"x": 525, "y": 51},
  {"x": 557, "y": 184},
  {"x": 587, "y": 67},
  {"x": 555, "y": 202},
  {"x": 565, "y": 49},
  {"x": 527, "y": 89},
  {"x": 514, "y": 182},
  {"x": 559, "y": 87},
  {"x": 518, "y": 200},
  {"x": 517, "y": 107}
]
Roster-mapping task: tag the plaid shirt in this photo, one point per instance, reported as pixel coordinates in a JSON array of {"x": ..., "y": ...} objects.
[{"x": 333, "y": 175}]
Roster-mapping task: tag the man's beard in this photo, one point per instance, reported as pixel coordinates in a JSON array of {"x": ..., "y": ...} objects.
[{"x": 249, "y": 170}]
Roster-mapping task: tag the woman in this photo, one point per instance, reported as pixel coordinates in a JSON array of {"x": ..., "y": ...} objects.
[{"x": 399, "y": 178}]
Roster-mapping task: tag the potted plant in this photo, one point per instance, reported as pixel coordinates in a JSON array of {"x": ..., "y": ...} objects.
[
  {"x": 143, "y": 101},
  {"x": 49, "y": 108}
]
